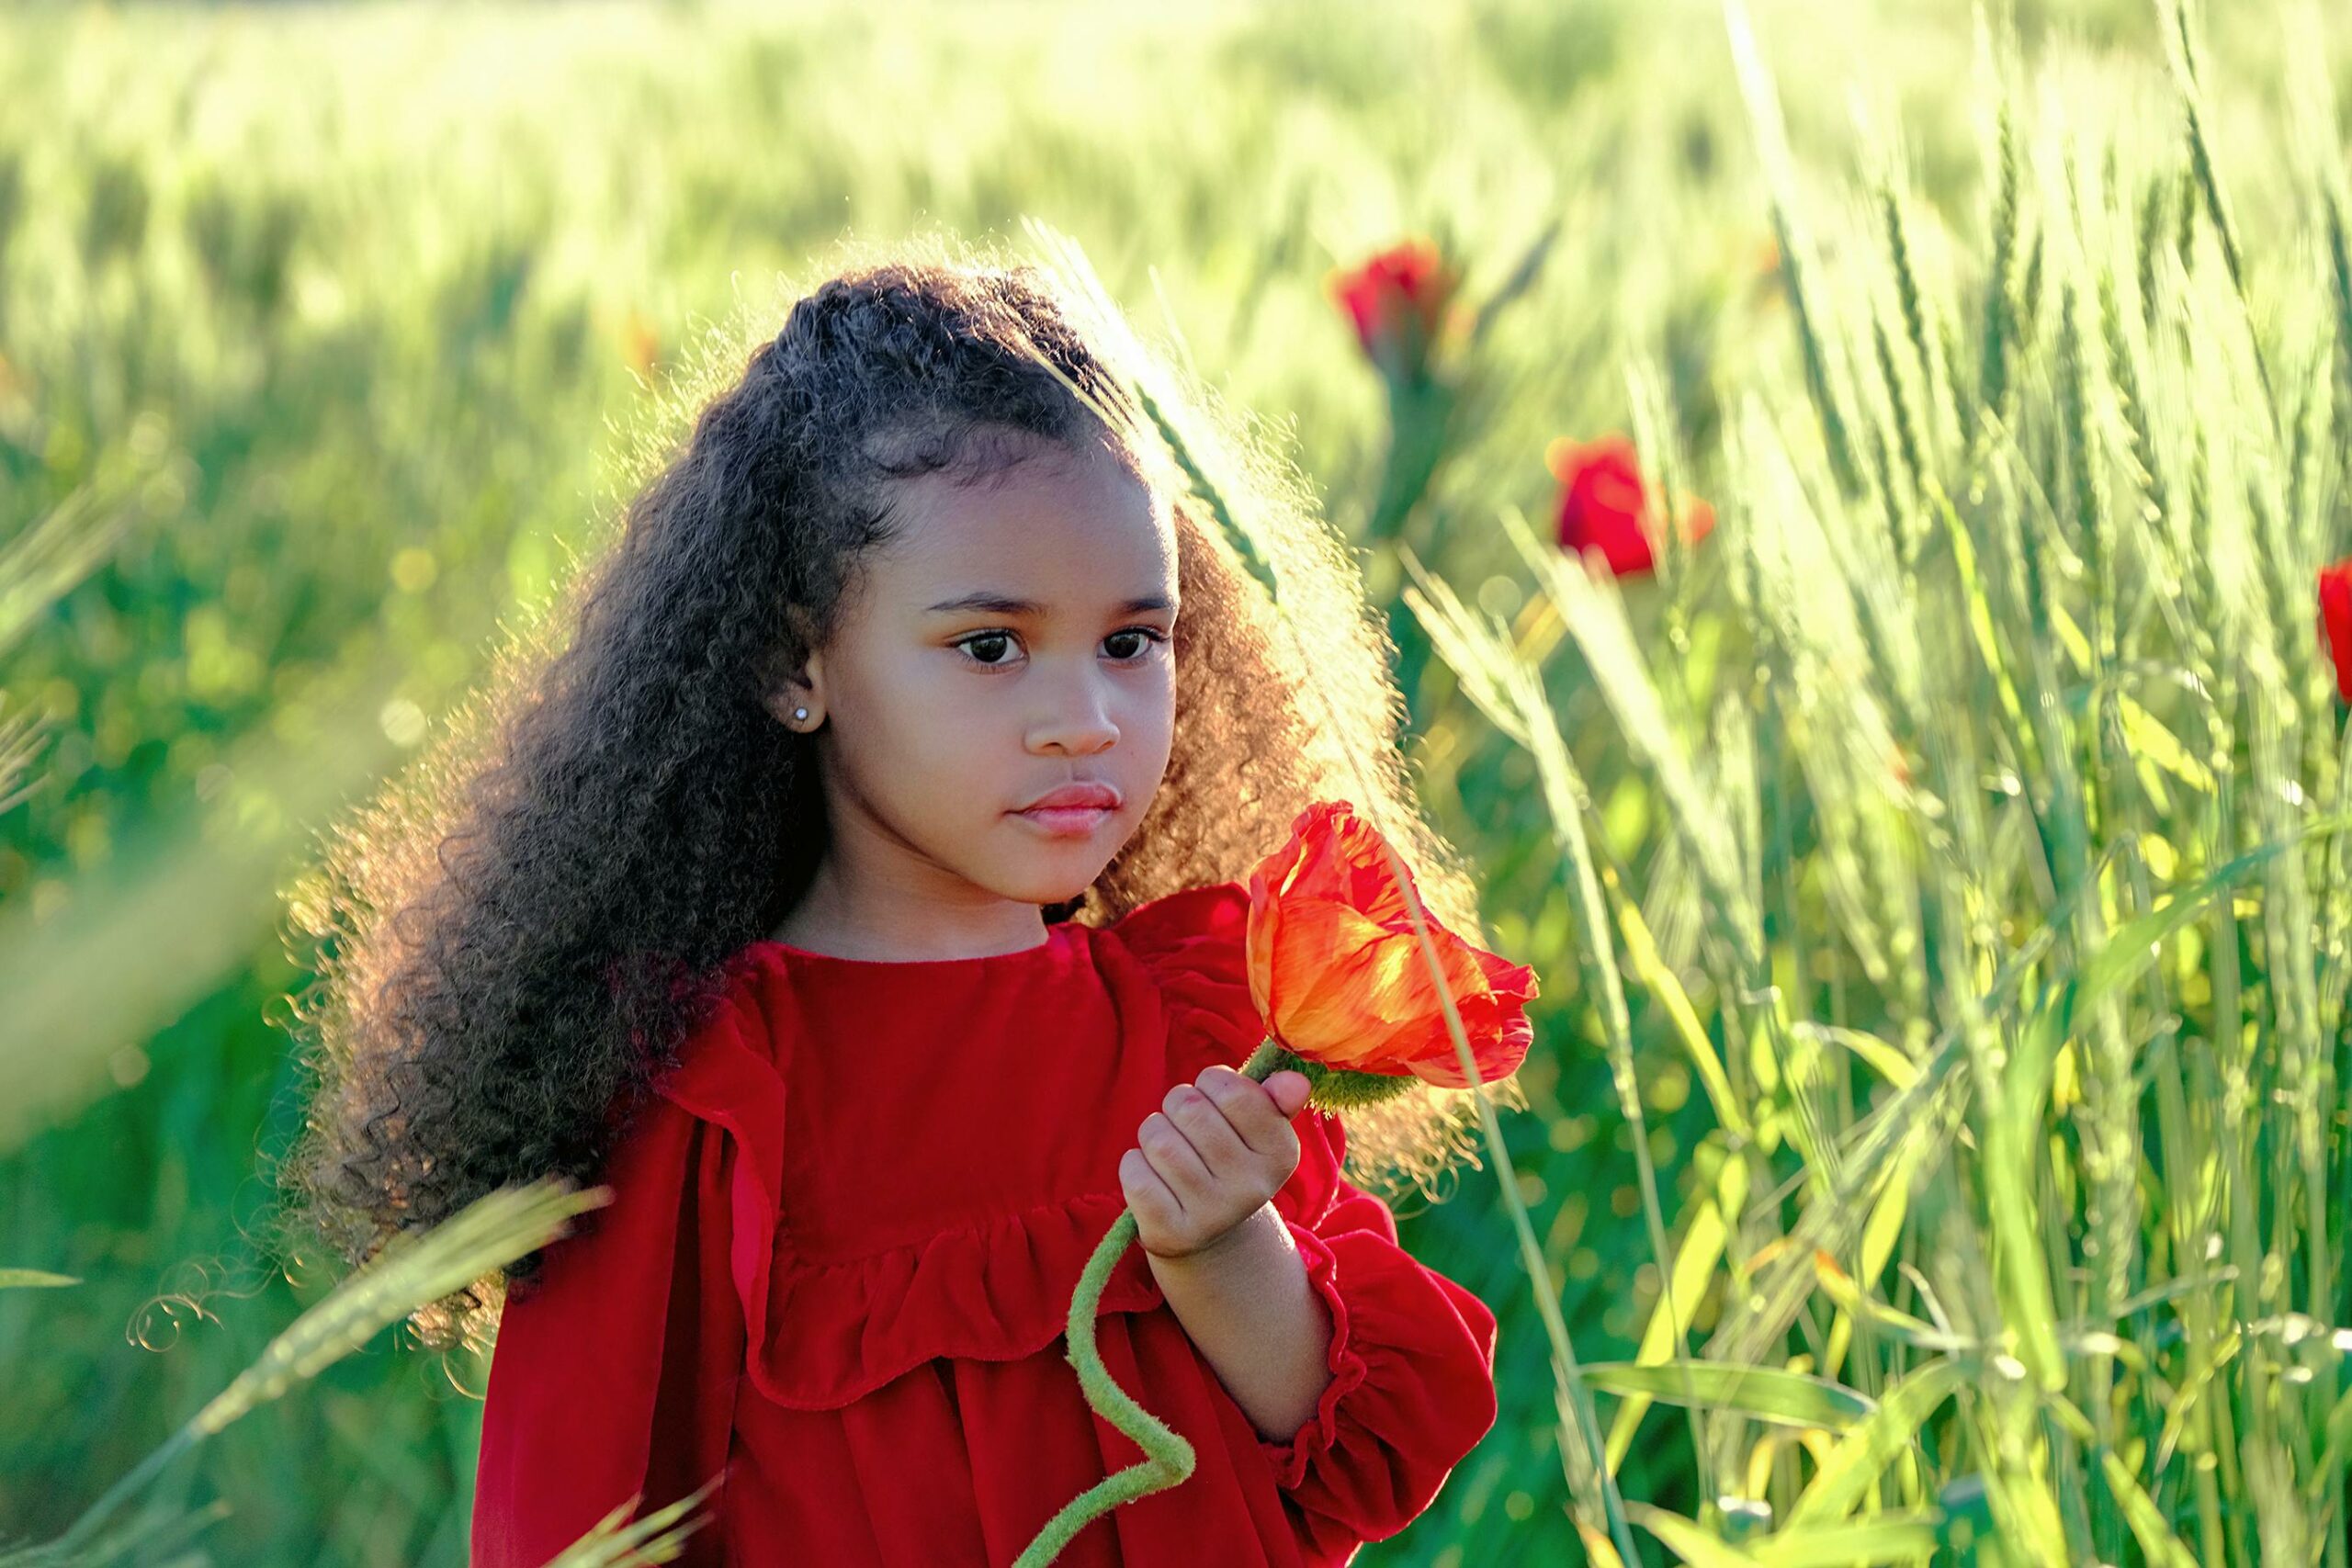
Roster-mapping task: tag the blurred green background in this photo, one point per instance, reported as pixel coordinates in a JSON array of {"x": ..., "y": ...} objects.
[{"x": 337, "y": 328}]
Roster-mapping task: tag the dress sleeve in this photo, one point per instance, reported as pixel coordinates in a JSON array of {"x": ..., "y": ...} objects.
[
  {"x": 1412, "y": 1387},
  {"x": 615, "y": 1371},
  {"x": 1192, "y": 944}
]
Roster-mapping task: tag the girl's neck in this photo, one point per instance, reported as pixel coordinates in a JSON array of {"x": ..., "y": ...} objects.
[{"x": 906, "y": 930}]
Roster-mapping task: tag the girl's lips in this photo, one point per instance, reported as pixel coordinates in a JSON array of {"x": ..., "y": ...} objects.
[{"x": 1067, "y": 822}]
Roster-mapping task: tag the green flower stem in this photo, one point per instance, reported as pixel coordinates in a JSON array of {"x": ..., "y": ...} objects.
[{"x": 1167, "y": 1457}]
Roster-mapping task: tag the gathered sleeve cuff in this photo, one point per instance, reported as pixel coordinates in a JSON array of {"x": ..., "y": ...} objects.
[{"x": 1411, "y": 1390}]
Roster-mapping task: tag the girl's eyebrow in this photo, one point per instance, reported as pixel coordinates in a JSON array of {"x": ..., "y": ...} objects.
[{"x": 1003, "y": 604}]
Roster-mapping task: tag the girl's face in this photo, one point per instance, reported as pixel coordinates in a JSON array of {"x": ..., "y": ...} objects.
[{"x": 1014, "y": 636}]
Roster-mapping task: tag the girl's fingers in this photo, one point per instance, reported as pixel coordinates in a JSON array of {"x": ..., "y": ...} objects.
[
  {"x": 1289, "y": 1090},
  {"x": 1144, "y": 1189},
  {"x": 1252, "y": 1111},
  {"x": 1171, "y": 1154},
  {"x": 1222, "y": 1147}
]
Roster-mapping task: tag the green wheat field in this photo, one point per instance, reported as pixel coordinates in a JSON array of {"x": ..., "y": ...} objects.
[{"x": 1937, "y": 1147}]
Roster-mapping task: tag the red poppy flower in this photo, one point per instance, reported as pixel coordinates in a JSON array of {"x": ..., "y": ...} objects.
[
  {"x": 1337, "y": 971},
  {"x": 1603, "y": 506},
  {"x": 2336, "y": 621},
  {"x": 1397, "y": 300}
]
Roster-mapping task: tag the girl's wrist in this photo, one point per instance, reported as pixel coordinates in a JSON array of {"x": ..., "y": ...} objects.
[
  {"x": 1248, "y": 1305},
  {"x": 1251, "y": 1234}
]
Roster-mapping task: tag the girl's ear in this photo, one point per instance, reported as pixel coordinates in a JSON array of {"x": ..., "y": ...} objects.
[
  {"x": 794, "y": 708},
  {"x": 795, "y": 693},
  {"x": 798, "y": 699}
]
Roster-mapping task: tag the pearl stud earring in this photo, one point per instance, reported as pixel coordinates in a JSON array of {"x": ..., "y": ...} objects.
[{"x": 800, "y": 713}]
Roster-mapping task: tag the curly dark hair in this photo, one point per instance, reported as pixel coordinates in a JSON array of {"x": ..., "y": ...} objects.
[{"x": 516, "y": 936}]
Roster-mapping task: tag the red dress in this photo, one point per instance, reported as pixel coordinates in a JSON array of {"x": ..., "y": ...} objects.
[{"x": 839, "y": 1263}]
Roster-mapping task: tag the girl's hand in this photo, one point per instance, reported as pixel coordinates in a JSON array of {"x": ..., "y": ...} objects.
[{"x": 1212, "y": 1155}]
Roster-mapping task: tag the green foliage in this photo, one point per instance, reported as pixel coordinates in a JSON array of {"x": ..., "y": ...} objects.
[
  {"x": 410, "y": 1271},
  {"x": 2028, "y": 789},
  {"x": 1869, "y": 1054}
]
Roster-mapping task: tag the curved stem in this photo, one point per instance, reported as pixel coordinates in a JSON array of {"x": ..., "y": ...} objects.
[{"x": 1167, "y": 1457}]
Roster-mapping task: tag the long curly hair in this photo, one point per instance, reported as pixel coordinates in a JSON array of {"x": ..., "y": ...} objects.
[{"x": 517, "y": 934}]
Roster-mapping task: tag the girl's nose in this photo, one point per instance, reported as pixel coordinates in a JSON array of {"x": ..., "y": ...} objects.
[{"x": 1077, "y": 717}]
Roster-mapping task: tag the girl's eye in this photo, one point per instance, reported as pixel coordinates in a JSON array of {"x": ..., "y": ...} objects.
[
  {"x": 992, "y": 641},
  {"x": 971, "y": 643},
  {"x": 1150, "y": 636}
]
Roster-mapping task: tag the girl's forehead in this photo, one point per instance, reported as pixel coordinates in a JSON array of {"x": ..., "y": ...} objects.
[{"x": 1075, "y": 532}]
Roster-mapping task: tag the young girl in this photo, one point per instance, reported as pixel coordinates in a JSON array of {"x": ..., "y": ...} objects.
[{"x": 856, "y": 896}]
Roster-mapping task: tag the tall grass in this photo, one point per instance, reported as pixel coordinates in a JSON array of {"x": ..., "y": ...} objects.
[
  {"x": 410, "y": 1271},
  {"x": 346, "y": 315},
  {"x": 2014, "y": 815},
  {"x": 303, "y": 352}
]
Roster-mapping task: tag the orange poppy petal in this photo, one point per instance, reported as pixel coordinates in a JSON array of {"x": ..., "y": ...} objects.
[
  {"x": 1259, "y": 932},
  {"x": 1333, "y": 979},
  {"x": 1338, "y": 973}
]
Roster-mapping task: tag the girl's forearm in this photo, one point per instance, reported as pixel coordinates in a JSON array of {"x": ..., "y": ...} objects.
[{"x": 1261, "y": 1326}]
